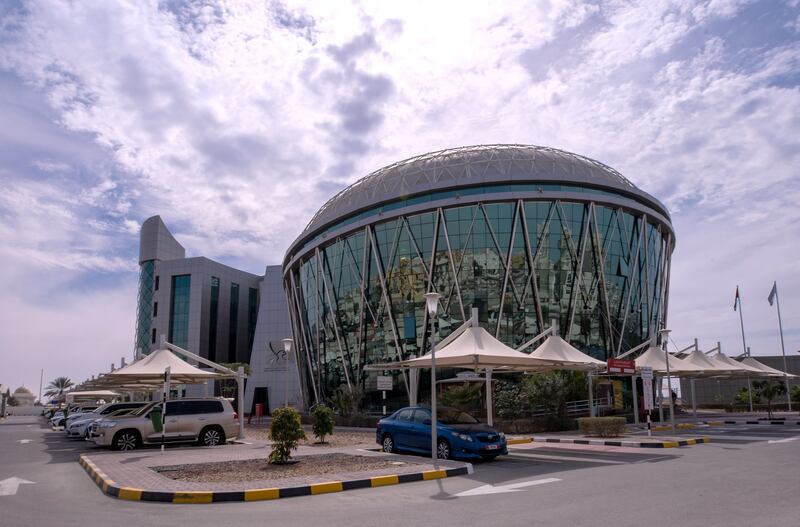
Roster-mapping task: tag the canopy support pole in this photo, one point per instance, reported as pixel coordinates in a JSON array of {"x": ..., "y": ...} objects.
[
  {"x": 635, "y": 401},
  {"x": 661, "y": 399},
  {"x": 694, "y": 403},
  {"x": 413, "y": 381},
  {"x": 489, "y": 409},
  {"x": 591, "y": 396},
  {"x": 240, "y": 386}
]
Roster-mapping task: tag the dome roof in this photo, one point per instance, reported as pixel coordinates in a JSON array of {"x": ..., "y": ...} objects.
[
  {"x": 22, "y": 390},
  {"x": 471, "y": 166}
]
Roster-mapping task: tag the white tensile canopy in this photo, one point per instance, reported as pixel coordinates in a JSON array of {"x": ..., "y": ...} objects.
[
  {"x": 741, "y": 368},
  {"x": 91, "y": 395},
  {"x": 771, "y": 372},
  {"x": 476, "y": 348},
  {"x": 148, "y": 372},
  {"x": 563, "y": 356},
  {"x": 711, "y": 368},
  {"x": 655, "y": 358}
]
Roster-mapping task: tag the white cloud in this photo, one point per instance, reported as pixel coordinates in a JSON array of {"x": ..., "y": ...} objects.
[{"x": 219, "y": 116}]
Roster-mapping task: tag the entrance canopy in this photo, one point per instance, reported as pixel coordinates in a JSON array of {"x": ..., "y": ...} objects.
[
  {"x": 655, "y": 358},
  {"x": 710, "y": 367}
]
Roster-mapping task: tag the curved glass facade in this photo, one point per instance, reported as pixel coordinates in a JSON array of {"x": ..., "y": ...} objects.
[{"x": 600, "y": 270}]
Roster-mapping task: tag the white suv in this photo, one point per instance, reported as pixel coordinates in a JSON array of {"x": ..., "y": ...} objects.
[{"x": 208, "y": 421}]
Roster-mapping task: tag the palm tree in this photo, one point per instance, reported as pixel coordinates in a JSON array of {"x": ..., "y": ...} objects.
[{"x": 57, "y": 387}]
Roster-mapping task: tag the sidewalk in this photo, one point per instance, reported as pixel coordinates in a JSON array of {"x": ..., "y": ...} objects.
[{"x": 130, "y": 475}]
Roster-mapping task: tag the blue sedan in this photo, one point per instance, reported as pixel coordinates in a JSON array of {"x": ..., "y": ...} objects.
[{"x": 459, "y": 434}]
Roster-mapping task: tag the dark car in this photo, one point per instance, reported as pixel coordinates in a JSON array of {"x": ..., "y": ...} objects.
[{"x": 459, "y": 434}]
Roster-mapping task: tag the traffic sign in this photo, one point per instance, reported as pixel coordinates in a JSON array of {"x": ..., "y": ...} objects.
[
  {"x": 384, "y": 382},
  {"x": 623, "y": 367}
]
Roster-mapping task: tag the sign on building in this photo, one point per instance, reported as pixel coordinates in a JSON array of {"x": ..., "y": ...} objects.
[{"x": 384, "y": 383}]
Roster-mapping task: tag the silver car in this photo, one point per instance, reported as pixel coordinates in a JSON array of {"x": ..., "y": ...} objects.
[{"x": 208, "y": 421}]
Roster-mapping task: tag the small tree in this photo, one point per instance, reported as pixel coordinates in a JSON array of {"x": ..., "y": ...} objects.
[
  {"x": 743, "y": 396},
  {"x": 285, "y": 432},
  {"x": 57, "y": 387},
  {"x": 323, "y": 422},
  {"x": 796, "y": 394},
  {"x": 769, "y": 390}
]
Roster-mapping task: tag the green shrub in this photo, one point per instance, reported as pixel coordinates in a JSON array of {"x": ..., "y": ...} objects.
[
  {"x": 285, "y": 432},
  {"x": 796, "y": 394},
  {"x": 323, "y": 422},
  {"x": 602, "y": 426},
  {"x": 464, "y": 397}
]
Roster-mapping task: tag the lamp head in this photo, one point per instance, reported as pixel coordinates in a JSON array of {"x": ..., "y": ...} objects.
[{"x": 432, "y": 301}]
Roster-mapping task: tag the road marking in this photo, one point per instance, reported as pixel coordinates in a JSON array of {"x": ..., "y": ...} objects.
[
  {"x": 498, "y": 489},
  {"x": 783, "y": 440},
  {"x": 9, "y": 486},
  {"x": 543, "y": 457},
  {"x": 25, "y": 441}
]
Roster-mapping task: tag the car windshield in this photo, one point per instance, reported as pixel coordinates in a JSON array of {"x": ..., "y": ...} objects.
[
  {"x": 144, "y": 409},
  {"x": 451, "y": 416}
]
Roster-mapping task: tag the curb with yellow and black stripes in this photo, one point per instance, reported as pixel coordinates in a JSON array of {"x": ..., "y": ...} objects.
[
  {"x": 111, "y": 488},
  {"x": 602, "y": 442}
]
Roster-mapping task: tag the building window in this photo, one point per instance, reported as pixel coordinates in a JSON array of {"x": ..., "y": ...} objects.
[
  {"x": 153, "y": 337},
  {"x": 144, "y": 304},
  {"x": 233, "y": 322},
  {"x": 179, "y": 310},
  {"x": 212, "y": 319},
  {"x": 155, "y": 309},
  {"x": 252, "y": 317},
  {"x": 156, "y": 283}
]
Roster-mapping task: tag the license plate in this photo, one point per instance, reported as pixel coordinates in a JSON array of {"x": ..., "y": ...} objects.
[{"x": 492, "y": 447}]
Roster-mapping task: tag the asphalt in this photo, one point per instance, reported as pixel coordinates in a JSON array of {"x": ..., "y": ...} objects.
[{"x": 740, "y": 479}]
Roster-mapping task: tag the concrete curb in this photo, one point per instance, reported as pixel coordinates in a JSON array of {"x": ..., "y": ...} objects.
[
  {"x": 722, "y": 423},
  {"x": 111, "y": 488},
  {"x": 602, "y": 442}
]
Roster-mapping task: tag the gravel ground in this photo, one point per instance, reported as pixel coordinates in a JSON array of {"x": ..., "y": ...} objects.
[
  {"x": 338, "y": 439},
  {"x": 255, "y": 470}
]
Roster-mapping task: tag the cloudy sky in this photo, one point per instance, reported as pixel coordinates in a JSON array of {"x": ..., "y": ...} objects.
[{"x": 236, "y": 120}]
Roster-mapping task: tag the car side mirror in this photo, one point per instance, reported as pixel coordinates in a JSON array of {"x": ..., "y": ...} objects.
[{"x": 426, "y": 422}]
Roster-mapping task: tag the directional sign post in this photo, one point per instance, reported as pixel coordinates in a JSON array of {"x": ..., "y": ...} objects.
[
  {"x": 647, "y": 387},
  {"x": 384, "y": 384}
]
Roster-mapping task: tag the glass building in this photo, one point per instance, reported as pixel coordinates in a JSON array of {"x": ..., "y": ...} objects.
[{"x": 527, "y": 235}]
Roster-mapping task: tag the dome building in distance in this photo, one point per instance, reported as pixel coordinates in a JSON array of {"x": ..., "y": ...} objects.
[
  {"x": 24, "y": 396},
  {"x": 525, "y": 234}
]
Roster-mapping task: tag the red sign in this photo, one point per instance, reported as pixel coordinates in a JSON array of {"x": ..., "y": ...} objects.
[{"x": 624, "y": 367}]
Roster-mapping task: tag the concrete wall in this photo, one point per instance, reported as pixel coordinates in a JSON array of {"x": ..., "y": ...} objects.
[{"x": 268, "y": 367}]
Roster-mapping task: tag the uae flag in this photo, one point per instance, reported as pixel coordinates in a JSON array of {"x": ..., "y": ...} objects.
[
  {"x": 773, "y": 293},
  {"x": 736, "y": 300}
]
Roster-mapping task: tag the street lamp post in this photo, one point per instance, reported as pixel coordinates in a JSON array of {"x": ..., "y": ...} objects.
[
  {"x": 287, "y": 348},
  {"x": 664, "y": 335},
  {"x": 432, "y": 302}
]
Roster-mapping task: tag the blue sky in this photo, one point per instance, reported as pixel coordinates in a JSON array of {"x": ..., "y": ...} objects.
[{"x": 236, "y": 121}]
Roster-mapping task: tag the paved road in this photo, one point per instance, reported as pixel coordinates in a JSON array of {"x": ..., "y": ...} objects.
[{"x": 740, "y": 479}]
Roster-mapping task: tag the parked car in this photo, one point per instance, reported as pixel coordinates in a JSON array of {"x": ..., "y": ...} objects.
[
  {"x": 80, "y": 425},
  {"x": 60, "y": 417},
  {"x": 459, "y": 434},
  {"x": 208, "y": 421},
  {"x": 102, "y": 410}
]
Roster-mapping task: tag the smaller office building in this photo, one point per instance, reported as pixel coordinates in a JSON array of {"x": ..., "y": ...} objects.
[{"x": 215, "y": 311}]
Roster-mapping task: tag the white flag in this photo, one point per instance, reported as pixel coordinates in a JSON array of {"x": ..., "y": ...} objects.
[{"x": 773, "y": 293}]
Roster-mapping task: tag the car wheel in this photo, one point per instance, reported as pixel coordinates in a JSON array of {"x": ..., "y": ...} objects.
[
  {"x": 388, "y": 444},
  {"x": 443, "y": 449},
  {"x": 125, "y": 441},
  {"x": 212, "y": 436}
]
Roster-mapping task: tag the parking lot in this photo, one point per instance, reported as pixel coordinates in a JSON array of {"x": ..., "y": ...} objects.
[{"x": 747, "y": 474}]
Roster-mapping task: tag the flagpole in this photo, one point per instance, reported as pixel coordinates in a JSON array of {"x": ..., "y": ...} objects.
[
  {"x": 744, "y": 348},
  {"x": 783, "y": 348}
]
